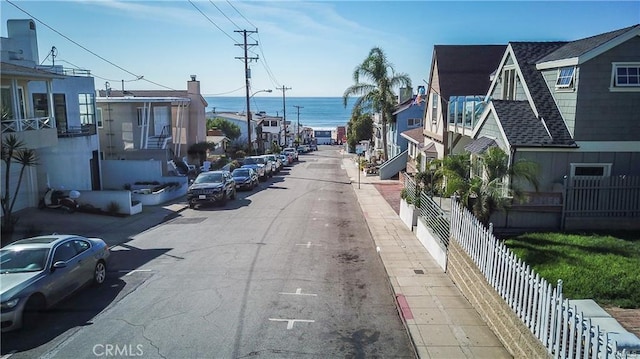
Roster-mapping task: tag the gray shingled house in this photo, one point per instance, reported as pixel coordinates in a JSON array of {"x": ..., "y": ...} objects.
[{"x": 573, "y": 108}]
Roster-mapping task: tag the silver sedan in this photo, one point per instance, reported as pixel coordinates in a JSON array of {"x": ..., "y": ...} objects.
[{"x": 38, "y": 272}]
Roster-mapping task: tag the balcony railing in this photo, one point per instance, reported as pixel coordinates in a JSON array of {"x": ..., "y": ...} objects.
[
  {"x": 27, "y": 124},
  {"x": 465, "y": 111},
  {"x": 76, "y": 131}
]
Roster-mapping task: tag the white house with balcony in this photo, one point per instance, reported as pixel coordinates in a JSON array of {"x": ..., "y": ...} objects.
[{"x": 52, "y": 111}]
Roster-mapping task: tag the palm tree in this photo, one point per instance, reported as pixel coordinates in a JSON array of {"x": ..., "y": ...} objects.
[
  {"x": 13, "y": 150},
  {"x": 378, "y": 93},
  {"x": 484, "y": 196}
]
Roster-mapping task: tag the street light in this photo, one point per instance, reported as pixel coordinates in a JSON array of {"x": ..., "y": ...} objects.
[{"x": 249, "y": 116}]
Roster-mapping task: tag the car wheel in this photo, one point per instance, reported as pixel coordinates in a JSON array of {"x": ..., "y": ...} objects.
[
  {"x": 233, "y": 194},
  {"x": 192, "y": 205},
  {"x": 99, "y": 273},
  {"x": 32, "y": 311}
]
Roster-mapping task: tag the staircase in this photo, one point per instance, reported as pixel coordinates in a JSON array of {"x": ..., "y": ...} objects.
[{"x": 393, "y": 166}]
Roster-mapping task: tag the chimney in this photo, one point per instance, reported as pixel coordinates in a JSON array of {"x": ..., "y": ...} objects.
[{"x": 193, "y": 86}]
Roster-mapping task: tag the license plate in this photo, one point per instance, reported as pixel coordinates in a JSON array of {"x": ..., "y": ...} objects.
[{"x": 202, "y": 196}]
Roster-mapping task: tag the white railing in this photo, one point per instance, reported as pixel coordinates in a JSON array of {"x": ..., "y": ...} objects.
[
  {"x": 27, "y": 124},
  {"x": 564, "y": 331}
]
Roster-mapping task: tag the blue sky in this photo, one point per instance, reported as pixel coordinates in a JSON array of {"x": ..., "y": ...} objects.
[{"x": 310, "y": 46}]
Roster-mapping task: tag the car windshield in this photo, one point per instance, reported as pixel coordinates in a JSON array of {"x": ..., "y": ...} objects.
[
  {"x": 253, "y": 160},
  {"x": 23, "y": 259},
  {"x": 209, "y": 178},
  {"x": 241, "y": 172}
]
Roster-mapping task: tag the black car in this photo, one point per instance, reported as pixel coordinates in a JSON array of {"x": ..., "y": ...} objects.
[
  {"x": 246, "y": 178},
  {"x": 211, "y": 187}
]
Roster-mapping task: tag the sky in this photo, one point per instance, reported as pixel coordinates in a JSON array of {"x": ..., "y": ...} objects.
[{"x": 311, "y": 47}]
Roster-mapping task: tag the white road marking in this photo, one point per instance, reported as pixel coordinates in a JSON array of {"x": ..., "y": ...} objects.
[
  {"x": 290, "y": 322},
  {"x": 299, "y": 292},
  {"x": 129, "y": 272},
  {"x": 308, "y": 244}
]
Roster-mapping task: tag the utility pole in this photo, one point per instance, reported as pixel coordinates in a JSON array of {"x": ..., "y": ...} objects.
[
  {"x": 247, "y": 77},
  {"x": 284, "y": 113},
  {"x": 298, "y": 107}
]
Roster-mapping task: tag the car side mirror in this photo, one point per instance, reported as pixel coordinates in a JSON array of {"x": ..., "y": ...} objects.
[{"x": 58, "y": 265}]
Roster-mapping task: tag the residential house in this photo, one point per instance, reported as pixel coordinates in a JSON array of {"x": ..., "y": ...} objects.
[
  {"x": 52, "y": 110},
  {"x": 459, "y": 79},
  {"x": 571, "y": 107},
  {"x": 270, "y": 130},
  {"x": 151, "y": 124},
  {"x": 239, "y": 119}
]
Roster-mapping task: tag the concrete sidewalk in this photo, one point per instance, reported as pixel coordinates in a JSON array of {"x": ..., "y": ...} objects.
[{"x": 440, "y": 320}]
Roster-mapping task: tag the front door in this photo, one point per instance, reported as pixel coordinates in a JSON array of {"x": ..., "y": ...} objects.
[{"x": 161, "y": 120}]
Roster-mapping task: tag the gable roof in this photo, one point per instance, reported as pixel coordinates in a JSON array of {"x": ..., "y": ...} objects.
[
  {"x": 526, "y": 54},
  {"x": 465, "y": 70},
  {"x": 574, "y": 50},
  {"x": 480, "y": 145},
  {"x": 407, "y": 105},
  {"x": 520, "y": 124},
  {"x": 413, "y": 135}
]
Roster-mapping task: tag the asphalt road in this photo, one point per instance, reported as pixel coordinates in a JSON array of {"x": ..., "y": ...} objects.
[{"x": 288, "y": 270}]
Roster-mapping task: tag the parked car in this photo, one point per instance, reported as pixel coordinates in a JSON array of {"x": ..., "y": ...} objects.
[
  {"x": 292, "y": 151},
  {"x": 276, "y": 163},
  {"x": 260, "y": 165},
  {"x": 246, "y": 178},
  {"x": 287, "y": 160},
  {"x": 38, "y": 272},
  {"x": 211, "y": 187}
]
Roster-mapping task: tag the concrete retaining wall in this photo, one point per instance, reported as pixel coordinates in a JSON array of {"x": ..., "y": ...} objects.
[
  {"x": 432, "y": 244},
  {"x": 408, "y": 214},
  {"x": 102, "y": 200},
  {"x": 513, "y": 334}
]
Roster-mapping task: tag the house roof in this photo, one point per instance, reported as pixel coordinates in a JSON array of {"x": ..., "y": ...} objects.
[
  {"x": 465, "y": 70},
  {"x": 413, "y": 135},
  {"x": 526, "y": 54},
  {"x": 520, "y": 124},
  {"x": 8, "y": 69},
  {"x": 148, "y": 94},
  {"x": 407, "y": 104},
  {"x": 480, "y": 145},
  {"x": 580, "y": 47}
]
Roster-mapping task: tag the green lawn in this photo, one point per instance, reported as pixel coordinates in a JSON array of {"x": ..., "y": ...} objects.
[{"x": 605, "y": 268}]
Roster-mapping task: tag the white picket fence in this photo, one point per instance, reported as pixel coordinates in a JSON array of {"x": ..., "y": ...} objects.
[{"x": 564, "y": 331}]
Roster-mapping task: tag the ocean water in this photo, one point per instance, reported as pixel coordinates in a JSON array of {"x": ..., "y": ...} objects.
[{"x": 314, "y": 112}]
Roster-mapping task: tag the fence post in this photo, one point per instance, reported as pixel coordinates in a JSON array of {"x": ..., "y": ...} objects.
[{"x": 565, "y": 192}]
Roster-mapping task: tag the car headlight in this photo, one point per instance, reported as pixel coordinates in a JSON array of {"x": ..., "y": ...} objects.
[{"x": 10, "y": 304}]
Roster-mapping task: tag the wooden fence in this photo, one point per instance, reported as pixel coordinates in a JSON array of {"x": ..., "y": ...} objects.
[
  {"x": 564, "y": 331},
  {"x": 617, "y": 196}
]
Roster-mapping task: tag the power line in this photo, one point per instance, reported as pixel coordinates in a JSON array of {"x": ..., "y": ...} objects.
[
  {"x": 225, "y": 15},
  {"x": 284, "y": 112},
  {"x": 211, "y": 21},
  {"x": 84, "y": 48},
  {"x": 234, "y": 8},
  {"x": 226, "y": 93}
]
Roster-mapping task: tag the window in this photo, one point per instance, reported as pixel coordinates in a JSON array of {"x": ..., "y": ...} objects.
[
  {"x": 626, "y": 75},
  {"x": 590, "y": 169},
  {"x": 81, "y": 246},
  {"x": 99, "y": 116},
  {"x": 142, "y": 113},
  {"x": 41, "y": 108},
  {"x": 434, "y": 108},
  {"x": 87, "y": 109},
  {"x": 64, "y": 252},
  {"x": 414, "y": 122},
  {"x": 509, "y": 84},
  {"x": 565, "y": 77}
]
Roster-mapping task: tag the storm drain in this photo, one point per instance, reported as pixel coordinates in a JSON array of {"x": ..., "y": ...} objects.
[{"x": 418, "y": 271}]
